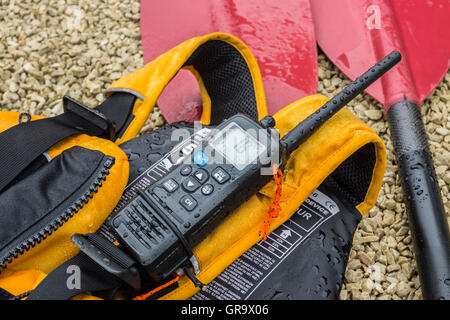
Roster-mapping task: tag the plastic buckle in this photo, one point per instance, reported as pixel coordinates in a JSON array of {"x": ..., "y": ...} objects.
[
  {"x": 97, "y": 120},
  {"x": 129, "y": 274}
]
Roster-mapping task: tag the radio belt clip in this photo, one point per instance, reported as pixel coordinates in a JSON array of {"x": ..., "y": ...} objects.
[{"x": 109, "y": 257}]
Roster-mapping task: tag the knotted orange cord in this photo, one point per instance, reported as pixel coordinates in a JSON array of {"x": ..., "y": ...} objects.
[{"x": 274, "y": 210}]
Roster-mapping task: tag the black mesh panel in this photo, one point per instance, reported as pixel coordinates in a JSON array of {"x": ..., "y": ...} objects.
[
  {"x": 354, "y": 175},
  {"x": 227, "y": 79}
]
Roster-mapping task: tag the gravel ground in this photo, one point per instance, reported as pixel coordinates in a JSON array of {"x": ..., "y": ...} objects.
[
  {"x": 52, "y": 48},
  {"x": 381, "y": 264}
]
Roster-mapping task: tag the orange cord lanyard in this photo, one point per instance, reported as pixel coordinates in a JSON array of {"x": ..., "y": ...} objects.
[
  {"x": 148, "y": 294},
  {"x": 274, "y": 210}
]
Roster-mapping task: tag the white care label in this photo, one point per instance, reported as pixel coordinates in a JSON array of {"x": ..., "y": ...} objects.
[{"x": 239, "y": 280}]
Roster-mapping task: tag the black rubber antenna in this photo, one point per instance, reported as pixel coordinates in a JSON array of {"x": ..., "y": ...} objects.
[{"x": 307, "y": 127}]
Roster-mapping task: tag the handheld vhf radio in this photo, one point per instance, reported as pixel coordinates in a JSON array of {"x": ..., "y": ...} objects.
[{"x": 162, "y": 224}]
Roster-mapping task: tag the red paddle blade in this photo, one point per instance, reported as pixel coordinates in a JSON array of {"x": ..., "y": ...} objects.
[
  {"x": 280, "y": 36},
  {"x": 355, "y": 34}
]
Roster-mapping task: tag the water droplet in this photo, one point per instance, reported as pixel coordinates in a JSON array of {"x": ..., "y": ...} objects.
[
  {"x": 321, "y": 236},
  {"x": 326, "y": 293},
  {"x": 416, "y": 166},
  {"x": 316, "y": 269}
]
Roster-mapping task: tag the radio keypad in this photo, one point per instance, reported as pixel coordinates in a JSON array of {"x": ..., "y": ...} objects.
[
  {"x": 220, "y": 175},
  {"x": 186, "y": 170},
  {"x": 207, "y": 189},
  {"x": 188, "y": 202},
  {"x": 201, "y": 175},
  {"x": 193, "y": 180},
  {"x": 170, "y": 185},
  {"x": 190, "y": 184}
]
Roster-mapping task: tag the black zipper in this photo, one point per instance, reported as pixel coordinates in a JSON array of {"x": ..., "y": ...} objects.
[{"x": 99, "y": 175}]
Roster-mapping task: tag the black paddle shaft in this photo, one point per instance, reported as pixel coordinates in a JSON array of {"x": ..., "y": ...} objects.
[{"x": 426, "y": 213}]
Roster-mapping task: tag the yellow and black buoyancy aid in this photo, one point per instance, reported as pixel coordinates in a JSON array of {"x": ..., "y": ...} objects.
[{"x": 64, "y": 175}]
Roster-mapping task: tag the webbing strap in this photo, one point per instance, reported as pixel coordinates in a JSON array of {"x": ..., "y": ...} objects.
[
  {"x": 63, "y": 284},
  {"x": 5, "y": 295},
  {"x": 99, "y": 266},
  {"x": 118, "y": 107},
  {"x": 22, "y": 144}
]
